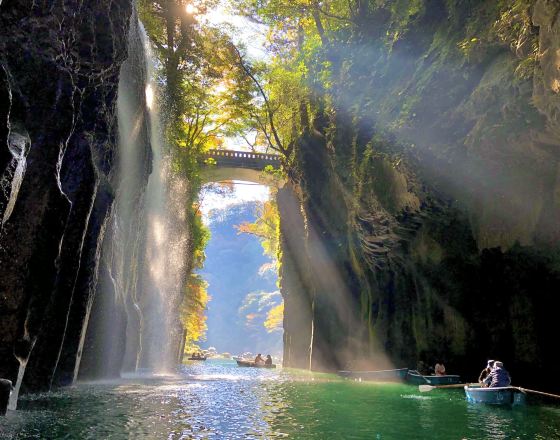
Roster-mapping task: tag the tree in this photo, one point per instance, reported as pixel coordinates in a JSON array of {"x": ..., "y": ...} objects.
[
  {"x": 266, "y": 227},
  {"x": 275, "y": 318},
  {"x": 193, "y": 310},
  {"x": 205, "y": 93}
]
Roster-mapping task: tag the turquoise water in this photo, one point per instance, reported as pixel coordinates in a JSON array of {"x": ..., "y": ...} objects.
[{"x": 218, "y": 400}]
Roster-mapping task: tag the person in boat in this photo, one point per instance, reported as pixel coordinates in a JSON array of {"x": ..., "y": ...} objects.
[
  {"x": 259, "y": 360},
  {"x": 498, "y": 377},
  {"x": 422, "y": 368},
  {"x": 268, "y": 360},
  {"x": 439, "y": 369},
  {"x": 484, "y": 373}
]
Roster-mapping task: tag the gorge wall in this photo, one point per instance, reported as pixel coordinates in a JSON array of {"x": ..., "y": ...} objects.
[
  {"x": 79, "y": 203},
  {"x": 426, "y": 190},
  {"x": 60, "y": 68},
  {"x": 429, "y": 188}
]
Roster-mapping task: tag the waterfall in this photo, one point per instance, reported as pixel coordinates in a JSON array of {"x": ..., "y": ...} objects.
[
  {"x": 135, "y": 323},
  {"x": 166, "y": 244}
]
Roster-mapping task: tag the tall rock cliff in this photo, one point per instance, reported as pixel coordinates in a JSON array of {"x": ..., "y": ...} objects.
[
  {"x": 59, "y": 74},
  {"x": 429, "y": 188}
]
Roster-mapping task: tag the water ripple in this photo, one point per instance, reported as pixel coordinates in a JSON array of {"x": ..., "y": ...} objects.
[{"x": 218, "y": 400}]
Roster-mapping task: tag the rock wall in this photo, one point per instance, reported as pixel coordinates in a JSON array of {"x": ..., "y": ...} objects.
[
  {"x": 430, "y": 188},
  {"x": 60, "y": 66},
  {"x": 295, "y": 285}
]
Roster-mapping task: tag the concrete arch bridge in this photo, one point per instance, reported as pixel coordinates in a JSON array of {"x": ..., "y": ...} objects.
[{"x": 220, "y": 165}]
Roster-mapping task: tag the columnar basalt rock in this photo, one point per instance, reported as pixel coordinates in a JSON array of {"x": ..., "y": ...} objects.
[
  {"x": 436, "y": 199},
  {"x": 60, "y": 67},
  {"x": 294, "y": 282},
  {"x": 86, "y": 283},
  {"x": 426, "y": 223},
  {"x": 334, "y": 310}
]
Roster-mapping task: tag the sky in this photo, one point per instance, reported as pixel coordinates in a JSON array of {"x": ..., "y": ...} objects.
[
  {"x": 243, "y": 192},
  {"x": 241, "y": 288},
  {"x": 251, "y": 35}
]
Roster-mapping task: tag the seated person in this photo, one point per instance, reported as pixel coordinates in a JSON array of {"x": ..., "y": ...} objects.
[
  {"x": 422, "y": 368},
  {"x": 484, "y": 373},
  {"x": 268, "y": 360},
  {"x": 259, "y": 360},
  {"x": 498, "y": 377},
  {"x": 439, "y": 368}
]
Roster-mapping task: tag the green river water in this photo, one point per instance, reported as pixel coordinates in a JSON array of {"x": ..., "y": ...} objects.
[{"x": 218, "y": 400}]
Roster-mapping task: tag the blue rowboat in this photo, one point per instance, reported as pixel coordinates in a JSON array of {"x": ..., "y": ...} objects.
[
  {"x": 495, "y": 396},
  {"x": 378, "y": 375},
  {"x": 415, "y": 378}
]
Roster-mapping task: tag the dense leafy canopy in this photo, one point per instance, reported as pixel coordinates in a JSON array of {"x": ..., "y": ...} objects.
[{"x": 207, "y": 96}]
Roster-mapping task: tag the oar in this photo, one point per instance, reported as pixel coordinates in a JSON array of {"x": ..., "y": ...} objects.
[
  {"x": 425, "y": 388},
  {"x": 525, "y": 390}
]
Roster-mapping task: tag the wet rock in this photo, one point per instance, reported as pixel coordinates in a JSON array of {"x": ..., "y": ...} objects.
[
  {"x": 437, "y": 196},
  {"x": 86, "y": 285},
  {"x": 5, "y": 390},
  {"x": 294, "y": 285},
  {"x": 114, "y": 331},
  {"x": 58, "y": 93}
]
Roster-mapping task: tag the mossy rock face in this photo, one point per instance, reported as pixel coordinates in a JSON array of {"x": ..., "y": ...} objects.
[
  {"x": 448, "y": 167},
  {"x": 425, "y": 250},
  {"x": 391, "y": 187}
]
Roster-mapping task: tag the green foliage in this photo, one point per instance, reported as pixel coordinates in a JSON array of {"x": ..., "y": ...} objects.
[
  {"x": 403, "y": 15},
  {"x": 502, "y": 25},
  {"x": 266, "y": 227},
  {"x": 200, "y": 235},
  {"x": 207, "y": 95},
  {"x": 193, "y": 310},
  {"x": 352, "y": 74}
]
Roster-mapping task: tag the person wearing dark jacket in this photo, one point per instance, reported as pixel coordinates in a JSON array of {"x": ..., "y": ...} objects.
[
  {"x": 498, "y": 377},
  {"x": 484, "y": 373}
]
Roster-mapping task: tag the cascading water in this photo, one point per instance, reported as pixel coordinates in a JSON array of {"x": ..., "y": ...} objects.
[
  {"x": 166, "y": 244},
  {"x": 135, "y": 322}
]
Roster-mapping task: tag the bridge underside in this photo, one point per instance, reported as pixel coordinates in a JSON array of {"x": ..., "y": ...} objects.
[{"x": 220, "y": 173}]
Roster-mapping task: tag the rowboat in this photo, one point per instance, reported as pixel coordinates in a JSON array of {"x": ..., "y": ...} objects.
[
  {"x": 197, "y": 358},
  {"x": 377, "y": 375},
  {"x": 252, "y": 364},
  {"x": 416, "y": 378},
  {"x": 495, "y": 396}
]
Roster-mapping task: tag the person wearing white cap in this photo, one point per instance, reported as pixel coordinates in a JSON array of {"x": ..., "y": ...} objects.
[{"x": 484, "y": 373}]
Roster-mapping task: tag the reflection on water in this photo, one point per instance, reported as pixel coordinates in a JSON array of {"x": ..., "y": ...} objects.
[{"x": 218, "y": 400}]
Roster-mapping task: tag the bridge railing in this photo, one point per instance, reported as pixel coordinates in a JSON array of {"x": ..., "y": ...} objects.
[{"x": 243, "y": 156}]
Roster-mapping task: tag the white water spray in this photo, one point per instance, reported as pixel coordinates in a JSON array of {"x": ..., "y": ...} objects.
[{"x": 144, "y": 255}]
